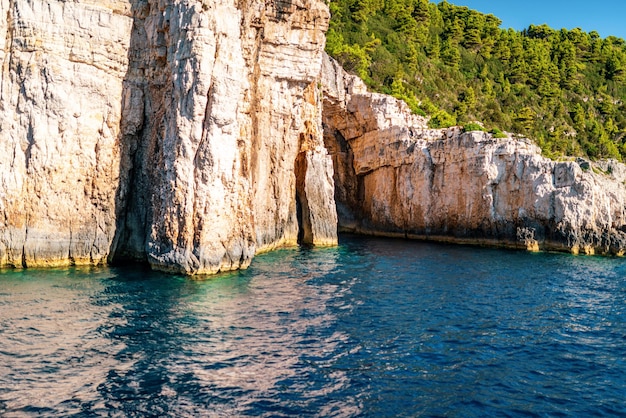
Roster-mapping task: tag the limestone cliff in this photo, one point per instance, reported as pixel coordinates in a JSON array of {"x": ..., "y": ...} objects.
[
  {"x": 60, "y": 109},
  {"x": 188, "y": 134},
  {"x": 396, "y": 177},
  {"x": 185, "y": 133}
]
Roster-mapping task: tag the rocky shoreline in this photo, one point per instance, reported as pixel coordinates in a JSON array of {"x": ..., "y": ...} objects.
[
  {"x": 193, "y": 135},
  {"x": 396, "y": 177}
]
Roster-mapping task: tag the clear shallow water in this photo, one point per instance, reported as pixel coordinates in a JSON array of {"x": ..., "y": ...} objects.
[{"x": 376, "y": 328}]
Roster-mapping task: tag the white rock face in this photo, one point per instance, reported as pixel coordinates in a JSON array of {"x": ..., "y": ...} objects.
[
  {"x": 59, "y": 151},
  {"x": 396, "y": 177},
  {"x": 166, "y": 131}
]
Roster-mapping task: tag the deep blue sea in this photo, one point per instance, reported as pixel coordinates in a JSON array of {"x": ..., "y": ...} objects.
[{"x": 373, "y": 328}]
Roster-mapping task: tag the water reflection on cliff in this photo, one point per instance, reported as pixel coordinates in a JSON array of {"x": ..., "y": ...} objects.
[
  {"x": 263, "y": 339},
  {"x": 142, "y": 343},
  {"x": 51, "y": 354}
]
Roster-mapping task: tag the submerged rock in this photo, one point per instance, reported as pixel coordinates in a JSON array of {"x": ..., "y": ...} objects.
[{"x": 396, "y": 177}]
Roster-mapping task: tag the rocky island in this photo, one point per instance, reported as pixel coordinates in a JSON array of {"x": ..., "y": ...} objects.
[{"x": 195, "y": 134}]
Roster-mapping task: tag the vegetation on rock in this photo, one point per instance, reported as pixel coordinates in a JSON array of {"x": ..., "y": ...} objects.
[
  {"x": 564, "y": 88},
  {"x": 473, "y": 126}
]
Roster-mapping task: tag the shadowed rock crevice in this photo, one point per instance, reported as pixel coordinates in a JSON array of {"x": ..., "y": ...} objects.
[
  {"x": 143, "y": 109},
  {"x": 305, "y": 227}
]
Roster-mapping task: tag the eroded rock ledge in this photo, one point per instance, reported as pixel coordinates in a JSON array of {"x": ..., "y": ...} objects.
[{"x": 396, "y": 177}]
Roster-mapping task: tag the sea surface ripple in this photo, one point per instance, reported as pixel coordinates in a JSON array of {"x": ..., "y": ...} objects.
[{"x": 373, "y": 328}]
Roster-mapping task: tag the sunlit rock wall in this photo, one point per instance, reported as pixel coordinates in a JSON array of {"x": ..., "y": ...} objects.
[
  {"x": 62, "y": 69},
  {"x": 184, "y": 133}
]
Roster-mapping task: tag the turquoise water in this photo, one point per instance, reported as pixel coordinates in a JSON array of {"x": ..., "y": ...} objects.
[{"x": 374, "y": 328}]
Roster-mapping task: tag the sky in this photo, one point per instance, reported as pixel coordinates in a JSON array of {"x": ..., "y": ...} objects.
[{"x": 607, "y": 17}]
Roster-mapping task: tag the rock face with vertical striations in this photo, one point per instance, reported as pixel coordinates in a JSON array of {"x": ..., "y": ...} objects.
[
  {"x": 396, "y": 177},
  {"x": 60, "y": 109},
  {"x": 184, "y": 133}
]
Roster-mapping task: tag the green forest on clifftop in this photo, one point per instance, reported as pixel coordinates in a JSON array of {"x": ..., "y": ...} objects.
[{"x": 563, "y": 88}]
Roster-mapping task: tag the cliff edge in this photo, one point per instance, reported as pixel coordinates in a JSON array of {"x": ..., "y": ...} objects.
[{"x": 396, "y": 177}]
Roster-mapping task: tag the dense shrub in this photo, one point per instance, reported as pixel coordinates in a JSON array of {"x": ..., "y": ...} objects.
[{"x": 472, "y": 126}]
